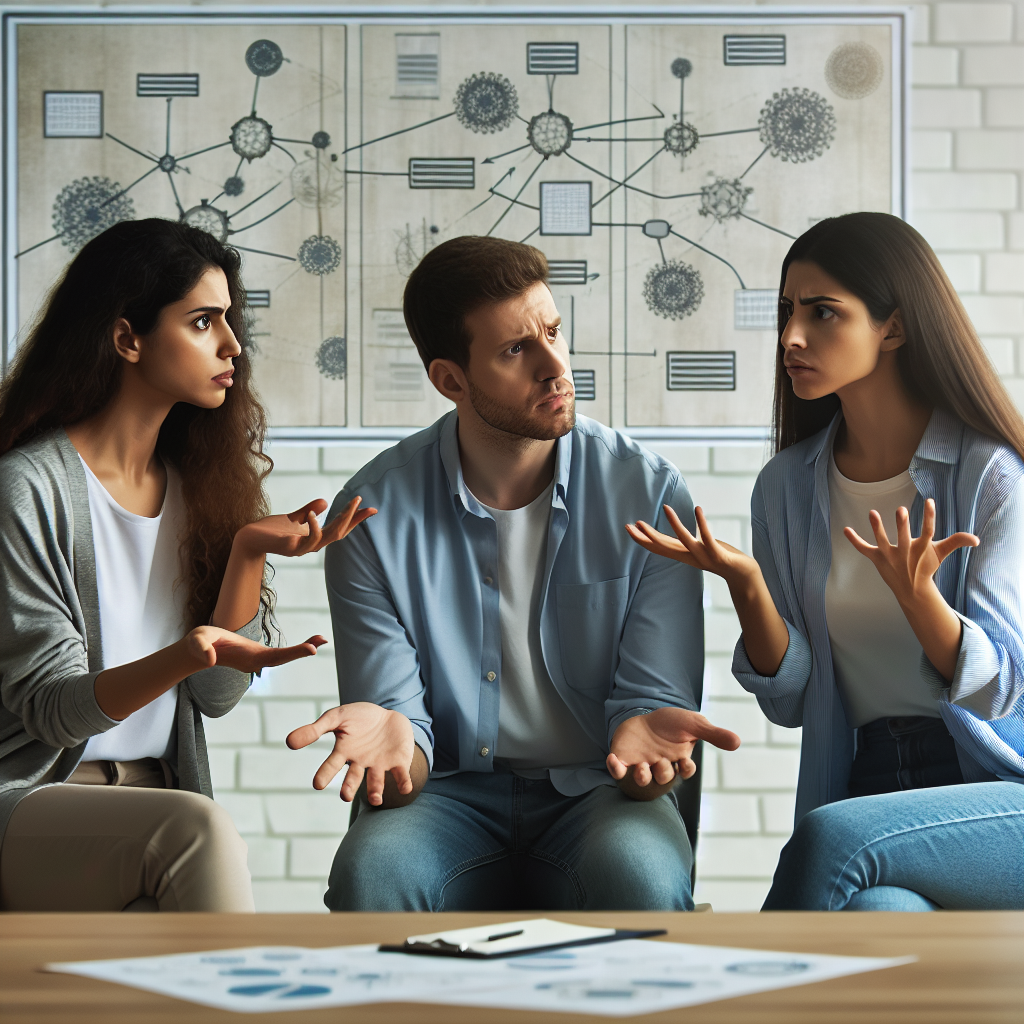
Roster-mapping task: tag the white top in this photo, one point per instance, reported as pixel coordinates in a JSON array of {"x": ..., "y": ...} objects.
[
  {"x": 536, "y": 729},
  {"x": 137, "y": 565},
  {"x": 875, "y": 654}
]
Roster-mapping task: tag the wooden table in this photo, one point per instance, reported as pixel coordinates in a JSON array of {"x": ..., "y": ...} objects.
[{"x": 970, "y": 968}]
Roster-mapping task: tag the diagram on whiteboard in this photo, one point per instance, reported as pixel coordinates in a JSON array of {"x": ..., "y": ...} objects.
[{"x": 664, "y": 169}]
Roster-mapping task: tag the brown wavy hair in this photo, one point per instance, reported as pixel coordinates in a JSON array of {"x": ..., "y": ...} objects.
[
  {"x": 67, "y": 370},
  {"x": 942, "y": 363}
]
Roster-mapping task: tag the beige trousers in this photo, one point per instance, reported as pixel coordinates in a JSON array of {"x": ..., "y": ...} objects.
[{"x": 110, "y": 844}]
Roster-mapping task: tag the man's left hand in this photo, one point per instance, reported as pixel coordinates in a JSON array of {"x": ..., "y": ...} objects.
[{"x": 658, "y": 745}]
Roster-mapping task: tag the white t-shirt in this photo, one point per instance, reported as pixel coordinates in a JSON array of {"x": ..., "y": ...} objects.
[
  {"x": 875, "y": 653},
  {"x": 536, "y": 729},
  {"x": 137, "y": 564}
]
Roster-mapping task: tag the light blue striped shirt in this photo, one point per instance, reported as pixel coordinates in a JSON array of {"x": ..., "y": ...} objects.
[
  {"x": 415, "y": 602},
  {"x": 978, "y": 486}
]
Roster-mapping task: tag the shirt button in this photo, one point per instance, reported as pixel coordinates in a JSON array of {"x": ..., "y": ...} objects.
[
  {"x": 484, "y": 751},
  {"x": 488, "y": 581},
  {"x": 491, "y": 677}
]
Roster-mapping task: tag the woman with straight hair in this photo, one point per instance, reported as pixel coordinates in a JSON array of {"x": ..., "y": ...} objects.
[
  {"x": 902, "y": 659},
  {"x": 133, "y": 582}
]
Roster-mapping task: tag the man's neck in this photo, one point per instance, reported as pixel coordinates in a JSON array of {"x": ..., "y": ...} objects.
[{"x": 503, "y": 470}]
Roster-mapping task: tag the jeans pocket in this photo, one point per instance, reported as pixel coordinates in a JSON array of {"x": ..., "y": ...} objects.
[{"x": 590, "y": 620}]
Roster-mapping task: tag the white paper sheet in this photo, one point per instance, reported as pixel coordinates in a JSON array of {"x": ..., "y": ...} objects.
[{"x": 615, "y": 980}]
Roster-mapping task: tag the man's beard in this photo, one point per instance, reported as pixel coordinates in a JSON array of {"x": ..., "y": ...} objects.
[{"x": 518, "y": 422}]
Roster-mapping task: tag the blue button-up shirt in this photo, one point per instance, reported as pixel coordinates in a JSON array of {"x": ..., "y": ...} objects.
[
  {"x": 978, "y": 487},
  {"x": 414, "y": 597}
]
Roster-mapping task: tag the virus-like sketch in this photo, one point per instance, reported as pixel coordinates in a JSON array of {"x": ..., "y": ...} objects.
[
  {"x": 234, "y": 186},
  {"x": 321, "y": 140},
  {"x": 320, "y": 255},
  {"x": 550, "y": 133},
  {"x": 486, "y": 102},
  {"x": 87, "y": 207},
  {"x": 413, "y": 245},
  {"x": 332, "y": 358},
  {"x": 724, "y": 198},
  {"x": 673, "y": 289},
  {"x": 209, "y": 219},
  {"x": 681, "y": 138},
  {"x": 681, "y": 67},
  {"x": 854, "y": 70},
  {"x": 317, "y": 182},
  {"x": 251, "y": 138},
  {"x": 264, "y": 58},
  {"x": 797, "y": 125}
]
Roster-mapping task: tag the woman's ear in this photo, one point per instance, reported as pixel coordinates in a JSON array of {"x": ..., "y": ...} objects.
[
  {"x": 892, "y": 333},
  {"x": 126, "y": 344}
]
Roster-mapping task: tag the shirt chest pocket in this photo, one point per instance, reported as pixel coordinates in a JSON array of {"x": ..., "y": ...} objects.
[{"x": 590, "y": 618}]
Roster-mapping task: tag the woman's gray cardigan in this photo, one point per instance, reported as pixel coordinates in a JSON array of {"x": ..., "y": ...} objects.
[{"x": 50, "y": 647}]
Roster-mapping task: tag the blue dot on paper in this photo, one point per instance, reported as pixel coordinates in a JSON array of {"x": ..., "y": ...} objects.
[
  {"x": 321, "y": 970},
  {"x": 667, "y": 983},
  {"x": 254, "y": 990},
  {"x": 305, "y": 990},
  {"x": 253, "y": 972}
]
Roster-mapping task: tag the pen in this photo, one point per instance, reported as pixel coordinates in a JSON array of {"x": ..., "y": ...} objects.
[{"x": 503, "y": 935}]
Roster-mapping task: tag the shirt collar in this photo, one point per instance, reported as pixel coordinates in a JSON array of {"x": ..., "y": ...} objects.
[
  {"x": 941, "y": 441},
  {"x": 449, "y": 446}
]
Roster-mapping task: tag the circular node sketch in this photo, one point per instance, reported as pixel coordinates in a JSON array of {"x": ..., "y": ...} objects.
[
  {"x": 681, "y": 67},
  {"x": 88, "y": 206},
  {"x": 209, "y": 219},
  {"x": 854, "y": 70},
  {"x": 320, "y": 255},
  {"x": 723, "y": 199},
  {"x": 550, "y": 133},
  {"x": 234, "y": 186},
  {"x": 264, "y": 58},
  {"x": 251, "y": 137},
  {"x": 486, "y": 102},
  {"x": 167, "y": 163},
  {"x": 797, "y": 125},
  {"x": 317, "y": 182},
  {"x": 332, "y": 358},
  {"x": 673, "y": 289},
  {"x": 321, "y": 140},
  {"x": 681, "y": 138}
]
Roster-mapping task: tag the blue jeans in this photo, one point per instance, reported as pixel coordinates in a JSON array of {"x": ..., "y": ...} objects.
[
  {"x": 944, "y": 848},
  {"x": 477, "y": 841}
]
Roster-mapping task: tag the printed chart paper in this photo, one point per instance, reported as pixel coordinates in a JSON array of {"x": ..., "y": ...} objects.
[{"x": 616, "y": 980}]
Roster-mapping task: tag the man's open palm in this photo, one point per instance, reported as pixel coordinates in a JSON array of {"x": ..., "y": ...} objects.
[
  {"x": 658, "y": 744},
  {"x": 370, "y": 740}
]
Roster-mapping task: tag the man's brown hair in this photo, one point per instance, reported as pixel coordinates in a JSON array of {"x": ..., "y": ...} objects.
[{"x": 455, "y": 278}]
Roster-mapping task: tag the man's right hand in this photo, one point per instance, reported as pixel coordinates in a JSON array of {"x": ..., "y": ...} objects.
[{"x": 371, "y": 740}]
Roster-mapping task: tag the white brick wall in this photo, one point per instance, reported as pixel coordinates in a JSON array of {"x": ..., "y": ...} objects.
[{"x": 968, "y": 159}]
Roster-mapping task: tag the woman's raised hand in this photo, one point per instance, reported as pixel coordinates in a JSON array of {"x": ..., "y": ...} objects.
[
  {"x": 210, "y": 645},
  {"x": 702, "y": 552},
  {"x": 299, "y": 532},
  {"x": 907, "y": 567}
]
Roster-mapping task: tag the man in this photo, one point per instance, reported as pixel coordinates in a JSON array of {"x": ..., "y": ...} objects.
[{"x": 521, "y": 680}]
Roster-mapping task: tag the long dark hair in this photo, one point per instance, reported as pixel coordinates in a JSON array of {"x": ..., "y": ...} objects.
[
  {"x": 67, "y": 370},
  {"x": 942, "y": 364}
]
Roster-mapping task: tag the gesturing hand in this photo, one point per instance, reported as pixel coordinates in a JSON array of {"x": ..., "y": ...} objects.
[
  {"x": 702, "y": 551},
  {"x": 211, "y": 646},
  {"x": 909, "y": 565},
  {"x": 370, "y": 740},
  {"x": 660, "y": 743},
  {"x": 298, "y": 532}
]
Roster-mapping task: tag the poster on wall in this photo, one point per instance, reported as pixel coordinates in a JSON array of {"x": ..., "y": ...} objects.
[{"x": 663, "y": 162}]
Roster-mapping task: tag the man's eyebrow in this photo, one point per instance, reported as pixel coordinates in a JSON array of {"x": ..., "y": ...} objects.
[
  {"x": 819, "y": 298},
  {"x": 205, "y": 309}
]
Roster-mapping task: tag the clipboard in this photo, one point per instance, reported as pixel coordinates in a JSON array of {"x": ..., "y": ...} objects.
[{"x": 512, "y": 938}]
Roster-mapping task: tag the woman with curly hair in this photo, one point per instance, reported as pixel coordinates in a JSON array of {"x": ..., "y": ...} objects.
[
  {"x": 133, "y": 583},
  {"x": 902, "y": 659}
]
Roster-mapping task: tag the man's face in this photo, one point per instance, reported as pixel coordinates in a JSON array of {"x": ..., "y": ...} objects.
[{"x": 518, "y": 372}]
